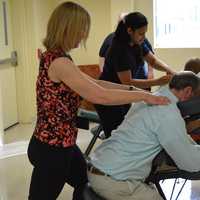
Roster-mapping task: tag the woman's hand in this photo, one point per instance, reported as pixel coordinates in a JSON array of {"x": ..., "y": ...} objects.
[
  {"x": 171, "y": 72},
  {"x": 156, "y": 100},
  {"x": 164, "y": 79}
]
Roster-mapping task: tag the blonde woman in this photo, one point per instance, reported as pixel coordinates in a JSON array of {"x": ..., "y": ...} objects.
[{"x": 53, "y": 152}]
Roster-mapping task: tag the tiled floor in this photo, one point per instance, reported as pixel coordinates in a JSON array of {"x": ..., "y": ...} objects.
[{"x": 15, "y": 171}]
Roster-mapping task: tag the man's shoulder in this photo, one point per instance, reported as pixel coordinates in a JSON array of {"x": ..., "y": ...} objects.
[
  {"x": 169, "y": 108},
  {"x": 166, "y": 113}
]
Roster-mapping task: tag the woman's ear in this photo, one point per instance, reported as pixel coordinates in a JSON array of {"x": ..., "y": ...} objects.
[{"x": 129, "y": 31}]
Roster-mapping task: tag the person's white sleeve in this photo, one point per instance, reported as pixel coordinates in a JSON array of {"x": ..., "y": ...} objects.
[{"x": 173, "y": 138}]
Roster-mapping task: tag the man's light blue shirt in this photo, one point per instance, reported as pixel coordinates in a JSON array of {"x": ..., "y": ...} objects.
[{"x": 145, "y": 131}]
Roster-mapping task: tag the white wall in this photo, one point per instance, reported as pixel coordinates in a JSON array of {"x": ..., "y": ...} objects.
[
  {"x": 29, "y": 18},
  {"x": 29, "y": 26},
  {"x": 100, "y": 26},
  {"x": 117, "y": 7},
  {"x": 29, "y": 21}
]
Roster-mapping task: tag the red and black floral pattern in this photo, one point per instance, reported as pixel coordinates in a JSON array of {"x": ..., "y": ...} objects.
[{"x": 57, "y": 106}]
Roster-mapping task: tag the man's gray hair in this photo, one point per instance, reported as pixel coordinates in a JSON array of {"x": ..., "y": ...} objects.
[{"x": 184, "y": 79}]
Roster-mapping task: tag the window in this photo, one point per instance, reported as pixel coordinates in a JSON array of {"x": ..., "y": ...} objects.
[{"x": 177, "y": 24}]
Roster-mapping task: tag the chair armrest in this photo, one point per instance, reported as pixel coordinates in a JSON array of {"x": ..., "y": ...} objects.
[{"x": 90, "y": 115}]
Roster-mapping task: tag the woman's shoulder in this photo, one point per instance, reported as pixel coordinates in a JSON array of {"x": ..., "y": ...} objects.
[
  {"x": 118, "y": 44},
  {"x": 51, "y": 55},
  {"x": 58, "y": 52}
]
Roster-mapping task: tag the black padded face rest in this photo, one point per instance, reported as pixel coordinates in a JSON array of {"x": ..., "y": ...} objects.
[{"x": 190, "y": 108}]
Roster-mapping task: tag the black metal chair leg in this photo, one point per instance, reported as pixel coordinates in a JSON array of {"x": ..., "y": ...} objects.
[
  {"x": 92, "y": 142},
  {"x": 181, "y": 189},
  {"x": 160, "y": 191},
  {"x": 175, "y": 181}
]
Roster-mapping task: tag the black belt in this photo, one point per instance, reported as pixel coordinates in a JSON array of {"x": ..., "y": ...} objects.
[{"x": 96, "y": 171}]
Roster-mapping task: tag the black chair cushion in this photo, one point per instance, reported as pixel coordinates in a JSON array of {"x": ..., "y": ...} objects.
[
  {"x": 90, "y": 115},
  {"x": 190, "y": 108}
]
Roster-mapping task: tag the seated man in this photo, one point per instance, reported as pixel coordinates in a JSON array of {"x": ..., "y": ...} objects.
[
  {"x": 193, "y": 64},
  {"x": 120, "y": 165}
]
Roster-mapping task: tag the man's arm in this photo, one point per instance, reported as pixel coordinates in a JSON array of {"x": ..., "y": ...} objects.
[{"x": 173, "y": 137}]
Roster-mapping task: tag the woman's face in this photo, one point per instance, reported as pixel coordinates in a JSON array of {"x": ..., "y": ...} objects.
[{"x": 138, "y": 35}]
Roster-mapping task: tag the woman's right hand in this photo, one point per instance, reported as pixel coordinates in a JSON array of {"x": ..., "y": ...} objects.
[
  {"x": 164, "y": 79},
  {"x": 156, "y": 100}
]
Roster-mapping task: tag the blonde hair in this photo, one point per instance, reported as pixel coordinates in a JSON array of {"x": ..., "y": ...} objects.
[{"x": 68, "y": 26}]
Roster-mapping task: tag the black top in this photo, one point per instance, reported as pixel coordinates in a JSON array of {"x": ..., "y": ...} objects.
[
  {"x": 108, "y": 41},
  {"x": 148, "y": 44},
  {"x": 105, "y": 45},
  {"x": 123, "y": 57}
]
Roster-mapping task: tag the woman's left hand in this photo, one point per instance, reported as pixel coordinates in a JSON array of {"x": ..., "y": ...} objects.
[{"x": 157, "y": 100}]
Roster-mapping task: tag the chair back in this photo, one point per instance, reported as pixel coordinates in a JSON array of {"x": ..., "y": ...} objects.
[{"x": 94, "y": 71}]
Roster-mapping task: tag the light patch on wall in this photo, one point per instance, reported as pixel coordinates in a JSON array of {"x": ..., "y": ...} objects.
[{"x": 4, "y": 7}]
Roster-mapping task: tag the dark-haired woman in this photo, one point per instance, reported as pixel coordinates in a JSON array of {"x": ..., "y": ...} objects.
[{"x": 125, "y": 56}]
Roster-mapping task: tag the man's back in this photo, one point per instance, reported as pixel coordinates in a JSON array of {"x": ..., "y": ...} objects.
[
  {"x": 128, "y": 154},
  {"x": 122, "y": 163}
]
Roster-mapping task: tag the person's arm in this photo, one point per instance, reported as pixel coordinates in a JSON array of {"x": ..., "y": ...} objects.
[
  {"x": 110, "y": 85},
  {"x": 174, "y": 139},
  {"x": 157, "y": 63},
  {"x": 150, "y": 74},
  {"x": 147, "y": 47},
  {"x": 126, "y": 78},
  {"x": 64, "y": 70},
  {"x": 123, "y": 61},
  {"x": 101, "y": 63}
]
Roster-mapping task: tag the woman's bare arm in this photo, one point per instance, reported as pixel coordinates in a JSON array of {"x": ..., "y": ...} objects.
[
  {"x": 158, "y": 64},
  {"x": 63, "y": 69},
  {"x": 126, "y": 78}
]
